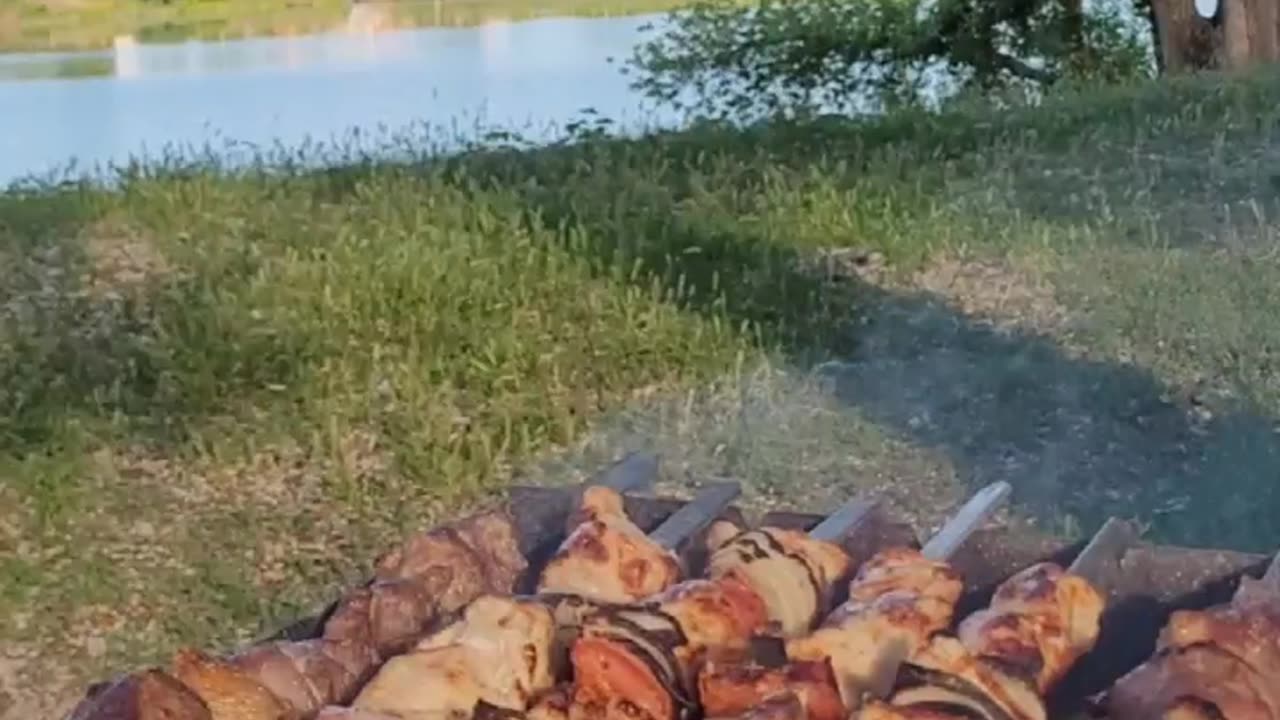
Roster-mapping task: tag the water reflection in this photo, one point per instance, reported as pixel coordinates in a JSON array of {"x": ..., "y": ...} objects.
[{"x": 108, "y": 106}]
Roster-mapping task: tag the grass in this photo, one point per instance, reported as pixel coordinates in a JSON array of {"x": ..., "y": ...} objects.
[
  {"x": 71, "y": 25},
  {"x": 222, "y": 393}
]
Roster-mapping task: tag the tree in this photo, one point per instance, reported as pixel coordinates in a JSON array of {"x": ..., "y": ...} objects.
[{"x": 721, "y": 59}]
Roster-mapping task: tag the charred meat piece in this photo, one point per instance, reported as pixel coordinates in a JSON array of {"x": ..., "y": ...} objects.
[
  {"x": 307, "y": 675},
  {"x": 147, "y": 695},
  {"x": 1039, "y": 622},
  {"x": 606, "y": 557},
  {"x": 459, "y": 562},
  {"x": 498, "y": 653},
  {"x": 433, "y": 574},
  {"x": 734, "y": 688},
  {"x": 387, "y": 617},
  {"x": 228, "y": 692},
  {"x": 793, "y": 573}
]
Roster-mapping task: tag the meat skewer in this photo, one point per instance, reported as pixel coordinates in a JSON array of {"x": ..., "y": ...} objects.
[
  {"x": 898, "y": 600},
  {"x": 503, "y": 653},
  {"x": 606, "y": 558},
  {"x": 641, "y": 662},
  {"x": 1213, "y": 664},
  {"x": 1004, "y": 658}
]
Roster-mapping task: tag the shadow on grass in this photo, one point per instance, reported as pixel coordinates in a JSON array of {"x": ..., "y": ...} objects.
[{"x": 1080, "y": 439}]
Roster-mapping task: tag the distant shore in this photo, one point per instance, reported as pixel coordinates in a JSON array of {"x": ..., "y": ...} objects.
[{"x": 41, "y": 25}]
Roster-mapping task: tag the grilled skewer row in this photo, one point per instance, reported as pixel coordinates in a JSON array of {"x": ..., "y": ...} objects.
[
  {"x": 1003, "y": 659},
  {"x": 744, "y": 595},
  {"x": 500, "y": 651},
  {"x": 897, "y": 601},
  {"x": 1214, "y": 664},
  {"x": 1039, "y": 622}
]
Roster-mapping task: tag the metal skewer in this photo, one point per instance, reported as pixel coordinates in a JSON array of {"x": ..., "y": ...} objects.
[
  {"x": 841, "y": 522},
  {"x": 971, "y": 516},
  {"x": 696, "y": 515}
]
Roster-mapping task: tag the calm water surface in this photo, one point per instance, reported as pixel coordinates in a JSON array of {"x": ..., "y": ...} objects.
[{"x": 137, "y": 99}]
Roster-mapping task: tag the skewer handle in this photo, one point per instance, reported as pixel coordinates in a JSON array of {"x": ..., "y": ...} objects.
[
  {"x": 969, "y": 518},
  {"x": 697, "y": 514},
  {"x": 1272, "y": 575},
  {"x": 635, "y": 471},
  {"x": 841, "y": 522},
  {"x": 1102, "y": 555}
]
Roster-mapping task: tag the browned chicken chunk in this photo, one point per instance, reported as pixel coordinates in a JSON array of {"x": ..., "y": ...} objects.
[
  {"x": 1039, "y": 623},
  {"x": 793, "y": 573},
  {"x": 606, "y": 557}
]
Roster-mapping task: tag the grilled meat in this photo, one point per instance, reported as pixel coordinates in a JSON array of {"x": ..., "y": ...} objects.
[
  {"x": 1223, "y": 662},
  {"x": 498, "y": 653},
  {"x": 946, "y": 675},
  {"x": 1192, "y": 682},
  {"x": 459, "y": 562},
  {"x": 732, "y": 688},
  {"x": 1039, "y": 622},
  {"x": 228, "y": 692},
  {"x": 433, "y": 574},
  {"x": 307, "y": 675},
  {"x": 640, "y": 661},
  {"x": 897, "y": 601},
  {"x": 902, "y": 568},
  {"x": 606, "y": 557},
  {"x": 793, "y": 573},
  {"x": 785, "y": 706},
  {"x": 147, "y": 695}
]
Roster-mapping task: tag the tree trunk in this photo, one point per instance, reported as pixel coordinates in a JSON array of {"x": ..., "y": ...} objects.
[{"x": 1242, "y": 33}]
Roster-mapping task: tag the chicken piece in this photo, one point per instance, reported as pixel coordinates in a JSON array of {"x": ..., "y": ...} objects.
[
  {"x": 733, "y": 688},
  {"x": 606, "y": 557},
  {"x": 147, "y": 695},
  {"x": 899, "y": 569},
  {"x": 229, "y": 693},
  {"x": 1195, "y": 681},
  {"x": 785, "y": 706},
  {"x": 967, "y": 681},
  {"x": 866, "y": 640},
  {"x": 510, "y": 642},
  {"x": 439, "y": 683},
  {"x": 498, "y": 653},
  {"x": 1039, "y": 622},
  {"x": 722, "y": 614},
  {"x": 457, "y": 563},
  {"x": 793, "y": 573}
]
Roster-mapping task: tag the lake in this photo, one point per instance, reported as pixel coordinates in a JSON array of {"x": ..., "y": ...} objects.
[{"x": 108, "y": 106}]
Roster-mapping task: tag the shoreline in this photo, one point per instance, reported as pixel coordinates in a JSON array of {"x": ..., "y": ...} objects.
[{"x": 100, "y": 22}]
